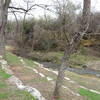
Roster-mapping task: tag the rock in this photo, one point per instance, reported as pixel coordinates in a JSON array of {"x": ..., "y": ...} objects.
[
  {"x": 84, "y": 66},
  {"x": 49, "y": 79},
  {"x": 94, "y": 65},
  {"x": 1, "y": 57}
]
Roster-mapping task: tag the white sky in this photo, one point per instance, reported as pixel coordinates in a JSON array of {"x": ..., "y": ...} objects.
[{"x": 39, "y": 12}]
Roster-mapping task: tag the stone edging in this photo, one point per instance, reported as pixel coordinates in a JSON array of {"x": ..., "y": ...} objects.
[{"x": 13, "y": 79}]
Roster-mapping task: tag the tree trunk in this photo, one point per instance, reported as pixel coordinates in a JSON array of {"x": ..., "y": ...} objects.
[
  {"x": 60, "y": 78},
  {"x": 1, "y": 29},
  {"x": 4, "y": 4},
  {"x": 73, "y": 45},
  {"x": 86, "y": 15},
  {"x": 2, "y": 43}
]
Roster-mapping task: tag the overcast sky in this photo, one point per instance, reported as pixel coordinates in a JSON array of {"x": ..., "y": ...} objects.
[{"x": 39, "y": 12}]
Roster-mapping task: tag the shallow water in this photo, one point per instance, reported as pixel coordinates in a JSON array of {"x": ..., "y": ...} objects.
[{"x": 76, "y": 70}]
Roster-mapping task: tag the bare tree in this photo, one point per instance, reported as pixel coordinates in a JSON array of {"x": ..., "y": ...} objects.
[
  {"x": 72, "y": 46},
  {"x": 25, "y": 11},
  {"x": 4, "y": 4}
]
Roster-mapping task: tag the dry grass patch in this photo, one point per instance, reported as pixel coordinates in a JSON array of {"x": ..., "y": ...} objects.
[{"x": 85, "y": 80}]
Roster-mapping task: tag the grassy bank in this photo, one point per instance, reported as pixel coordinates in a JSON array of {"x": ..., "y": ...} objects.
[
  {"x": 89, "y": 95},
  {"x": 14, "y": 93},
  {"x": 77, "y": 60},
  {"x": 84, "y": 80}
]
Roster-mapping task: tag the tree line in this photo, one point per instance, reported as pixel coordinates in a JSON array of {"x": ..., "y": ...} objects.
[{"x": 47, "y": 33}]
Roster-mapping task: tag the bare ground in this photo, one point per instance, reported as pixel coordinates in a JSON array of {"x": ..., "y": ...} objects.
[{"x": 45, "y": 87}]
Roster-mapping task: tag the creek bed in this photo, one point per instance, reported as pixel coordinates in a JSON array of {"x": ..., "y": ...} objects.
[{"x": 82, "y": 71}]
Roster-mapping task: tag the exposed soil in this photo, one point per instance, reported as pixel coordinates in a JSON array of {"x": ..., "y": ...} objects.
[{"x": 45, "y": 87}]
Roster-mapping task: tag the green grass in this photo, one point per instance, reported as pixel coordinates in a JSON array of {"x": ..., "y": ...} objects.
[
  {"x": 2, "y": 85},
  {"x": 15, "y": 61},
  {"x": 47, "y": 56},
  {"x": 57, "y": 54},
  {"x": 84, "y": 80},
  {"x": 75, "y": 59},
  {"x": 9, "y": 93},
  {"x": 28, "y": 96},
  {"x": 4, "y": 74},
  {"x": 78, "y": 58},
  {"x": 82, "y": 58},
  {"x": 89, "y": 95},
  {"x": 30, "y": 63},
  {"x": 3, "y": 95},
  {"x": 25, "y": 95},
  {"x": 12, "y": 59},
  {"x": 60, "y": 99}
]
